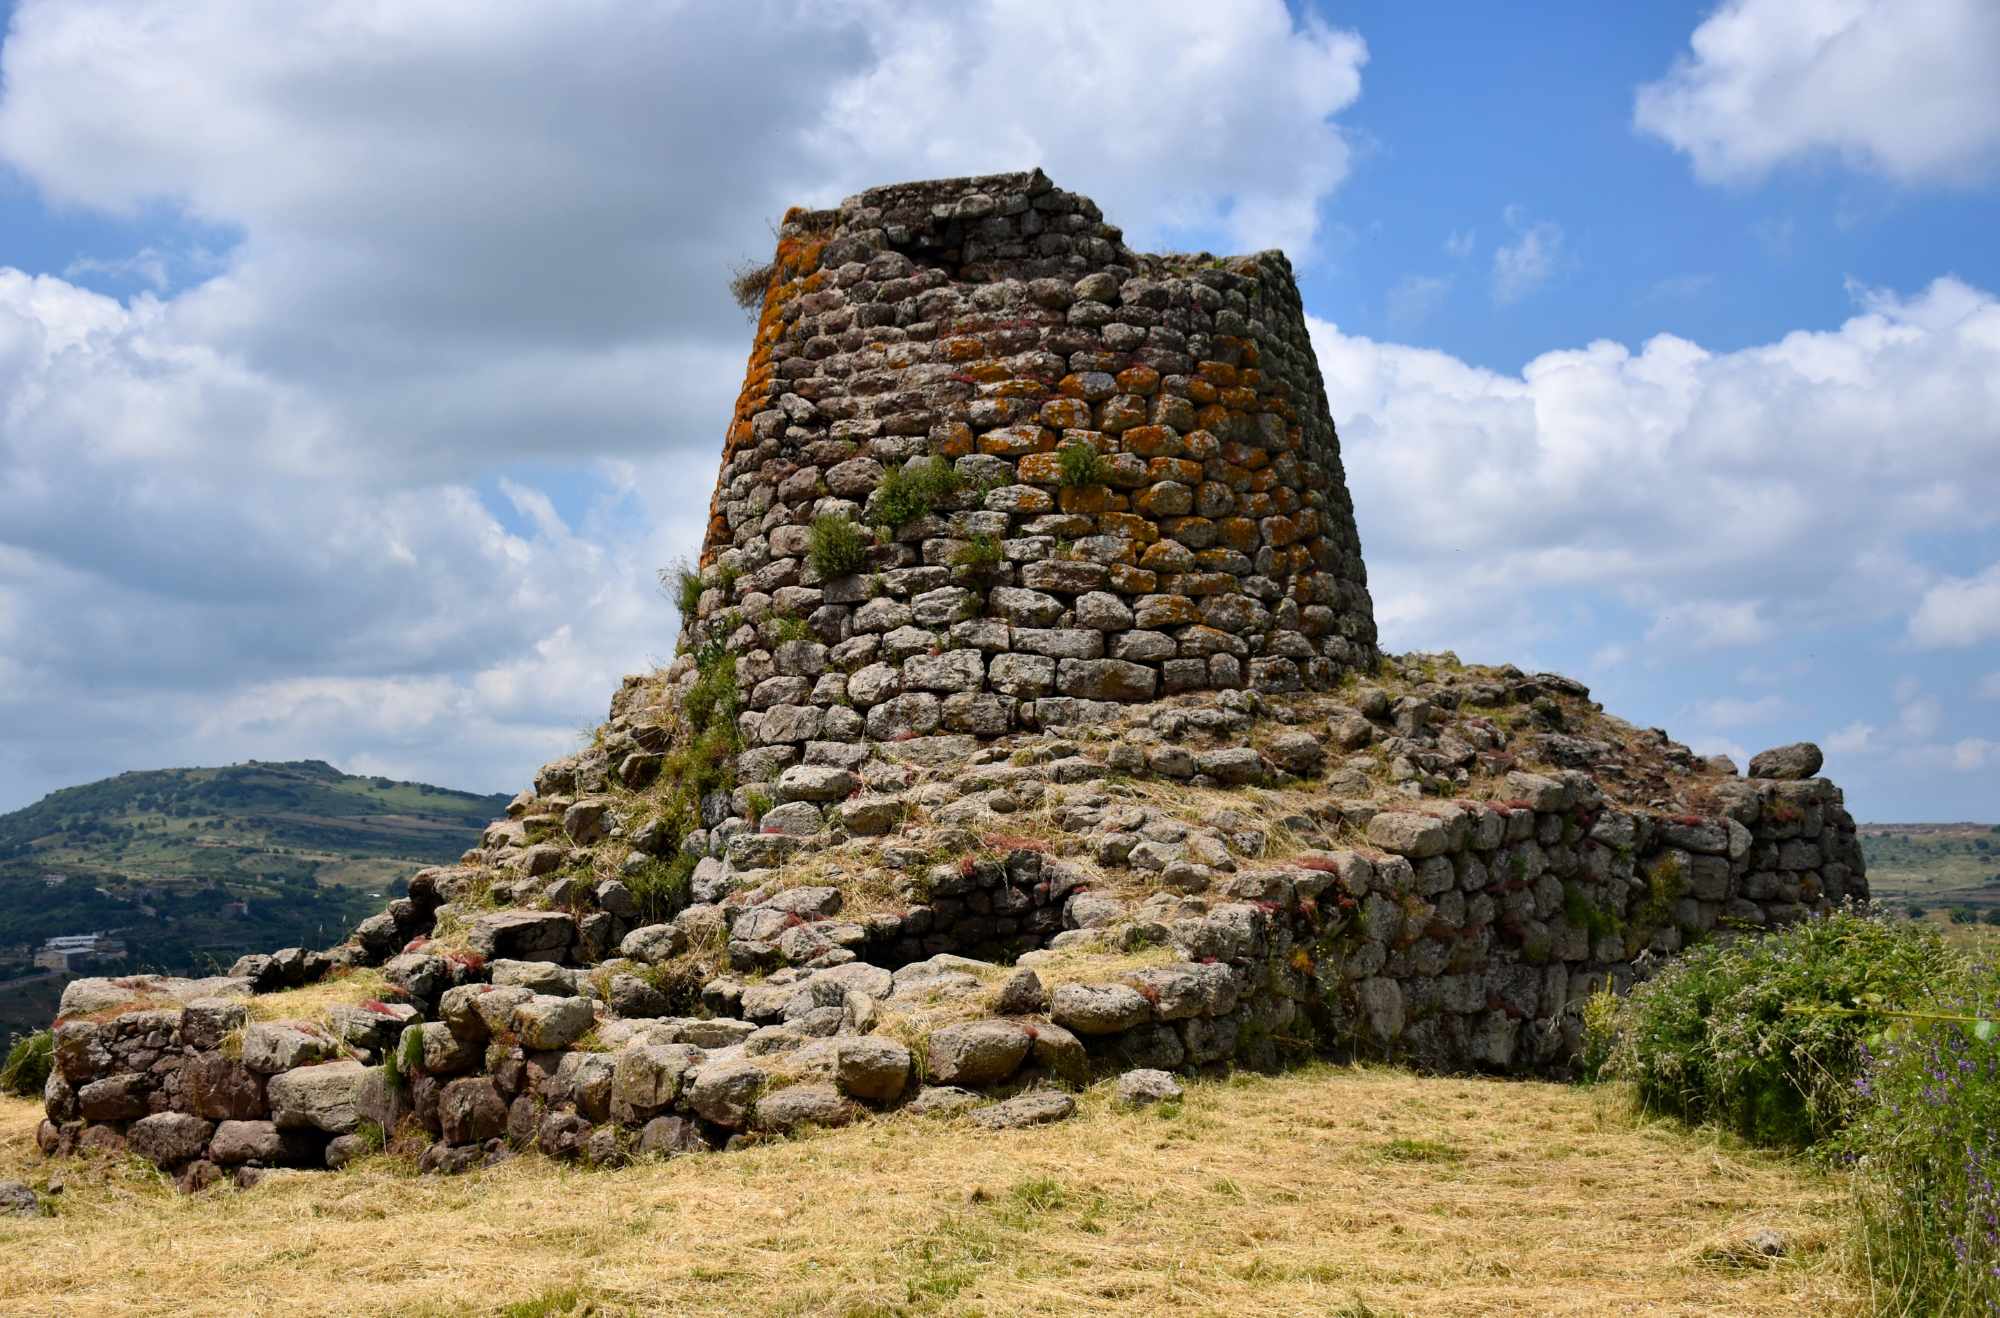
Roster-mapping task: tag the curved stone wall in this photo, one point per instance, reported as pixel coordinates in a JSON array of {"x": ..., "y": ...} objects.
[{"x": 1076, "y": 470}]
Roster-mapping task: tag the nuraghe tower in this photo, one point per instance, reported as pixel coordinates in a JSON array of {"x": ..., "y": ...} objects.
[{"x": 1027, "y": 726}]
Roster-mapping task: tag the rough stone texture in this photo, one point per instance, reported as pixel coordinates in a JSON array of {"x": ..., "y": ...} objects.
[
  {"x": 168, "y": 1139},
  {"x": 1035, "y": 1108},
  {"x": 1221, "y": 525},
  {"x": 1797, "y": 761},
  {"x": 1145, "y": 1087},
  {"x": 323, "y": 1097},
  {"x": 977, "y": 1053}
]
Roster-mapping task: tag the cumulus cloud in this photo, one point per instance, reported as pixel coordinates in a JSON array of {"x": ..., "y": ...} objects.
[
  {"x": 388, "y": 481},
  {"x": 1726, "y": 497},
  {"x": 1413, "y": 298},
  {"x": 1732, "y": 711},
  {"x": 1958, "y": 611},
  {"x": 1902, "y": 90},
  {"x": 1857, "y": 738},
  {"x": 1524, "y": 265}
]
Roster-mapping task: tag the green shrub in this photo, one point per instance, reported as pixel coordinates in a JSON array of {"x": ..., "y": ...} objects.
[
  {"x": 1735, "y": 1033},
  {"x": 980, "y": 554},
  {"x": 1079, "y": 464},
  {"x": 28, "y": 1064},
  {"x": 684, "y": 584},
  {"x": 837, "y": 547},
  {"x": 1926, "y": 1152},
  {"x": 662, "y": 888},
  {"x": 914, "y": 490}
]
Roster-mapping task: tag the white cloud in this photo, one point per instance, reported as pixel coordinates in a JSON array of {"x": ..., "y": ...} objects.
[
  {"x": 1524, "y": 265},
  {"x": 1670, "y": 480},
  {"x": 390, "y": 485},
  {"x": 1732, "y": 711},
  {"x": 1413, "y": 298},
  {"x": 1919, "y": 717},
  {"x": 1906, "y": 90},
  {"x": 1856, "y": 738},
  {"x": 1709, "y": 744},
  {"x": 1970, "y": 753},
  {"x": 1459, "y": 243},
  {"x": 1958, "y": 611}
]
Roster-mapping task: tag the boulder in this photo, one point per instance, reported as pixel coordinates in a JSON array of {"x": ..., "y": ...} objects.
[
  {"x": 17, "y": 1200},
  {"x": 168, "y": 1139},
  {"x": 803, "y": 1105},
  {"x": 273, "y": 1046},
  {"x": 470, "y": 1111},
  {"x": 1099, "y": 1008},
  {"x": 671, "y": 1136},
  {"x": 1145, "y": 1087},
  {"x": 546, "y": 1023},
  {"x": 646, "y": 1079},
  {"x": 872, "y": 1068},
  {"x": 1035, "y": 1108},
  {"x": 977, "y": 1053},
  {"x": 238, "y": 1142},
  {"x": 522, "y": 935},
  {"x": 323, "y": 1097},
  {"x": 1799, "y": 760},
  {"x": 725, "y": 1091}
]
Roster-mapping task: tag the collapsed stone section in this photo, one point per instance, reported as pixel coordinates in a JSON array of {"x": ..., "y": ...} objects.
[{"x": 986, "y": 455}]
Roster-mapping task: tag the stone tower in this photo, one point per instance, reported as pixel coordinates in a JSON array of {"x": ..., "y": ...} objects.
[{"x": 988, "y": 464}]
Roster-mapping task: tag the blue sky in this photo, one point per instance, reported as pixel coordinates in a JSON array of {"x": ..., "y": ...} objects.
[{"x": 359, "y": 366}]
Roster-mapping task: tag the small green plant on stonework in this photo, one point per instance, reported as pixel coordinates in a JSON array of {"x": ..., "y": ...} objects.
[
  {"x": 1665, "y": 884},
  {"x": 836, "y": 546},
  {"x": 28, "y": 1064},
  {"x": 1585, "y": 914},
  {"x": 979, "y": 555},
  {"x": 915, "y": 490},
  {"x": 373, "y": 1138},
  {"x": 790, "y": 628},
  {"x": 757, "y": 802},
  {"x": 683, "y": 583},
  {"x": 406, "y": 1058},
  {"x": 662, "y": 887},
  {"x": 1078, "y": 464}
]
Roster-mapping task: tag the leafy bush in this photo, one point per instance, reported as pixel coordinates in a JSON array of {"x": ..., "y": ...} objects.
[
  {"x": 662, "y": 888},
  {"x": 838, "y": 547},
  {"x": 914, "y": 490},
  {"x": 1926, "y": 1148},
  {"x": 28, "y": 1064},
  {"x": 1761, "y": 1035},
  {"x": 683, "y": 583},
  {"x": 980, "y": 554},
  {"x": 1078, "y": 464}
]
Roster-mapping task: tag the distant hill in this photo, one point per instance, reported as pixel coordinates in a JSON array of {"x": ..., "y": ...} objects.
[
  {"x": 1949, "y": 873},
  {"x": 185, "y": 869}
]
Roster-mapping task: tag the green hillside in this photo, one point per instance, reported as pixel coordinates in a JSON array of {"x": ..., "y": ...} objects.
[
  {"x": 189, "y": 868},
  {"x": 1948, "y": 874}
]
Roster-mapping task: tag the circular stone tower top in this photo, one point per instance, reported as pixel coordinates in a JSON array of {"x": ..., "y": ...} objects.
[{"x": 989, "y": 464}]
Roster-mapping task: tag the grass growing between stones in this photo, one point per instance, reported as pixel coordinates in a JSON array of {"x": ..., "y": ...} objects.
[
  {"x": 315, "y": 1002},
  {"x": 1253, "y": 1196}
]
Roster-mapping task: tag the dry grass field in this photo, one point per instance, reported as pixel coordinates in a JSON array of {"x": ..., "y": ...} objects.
[{"x": 1326, "y": 1191}]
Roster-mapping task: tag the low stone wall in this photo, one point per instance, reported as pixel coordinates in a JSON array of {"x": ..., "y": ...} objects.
[{"x": 1463, "y": 935}]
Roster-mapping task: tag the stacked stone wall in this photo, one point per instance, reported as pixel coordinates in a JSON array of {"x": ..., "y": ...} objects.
[{"x": 998, "y": 326}]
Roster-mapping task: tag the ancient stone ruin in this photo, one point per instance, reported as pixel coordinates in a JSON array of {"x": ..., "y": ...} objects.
[{"x": 1028, "y": 727}]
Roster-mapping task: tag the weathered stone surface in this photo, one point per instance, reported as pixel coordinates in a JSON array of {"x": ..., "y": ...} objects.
[
  {"x": 522, "y": 935},
  {"x": 471, "y": 1111},
  {"x": 802, "y": 1105},
  {"x": 273, "y": 1046},
  {"x": 976, "y": 1053},
  {"x": 238, "y": 1142},
  {"x": 1035, "y": 1108},
  {"x": 168, "y": 1139},
  {"x": 1409, "y": 834},
  {"x": 647, "y": 1078},
  {"x": 18, "y": 1200},
  {"x": 544, "y": 1022},
  {"x": 669, "y": 1137},
  {"x": 725, "y": 1091},
  {"x": 322, "y": 1097},
  {"x": 1143, "y": 1088},
  {"x": 875, "y": 1069},
  {"x": 1098, "y": 1008},
  {"x": 1799, "y": 760}
]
